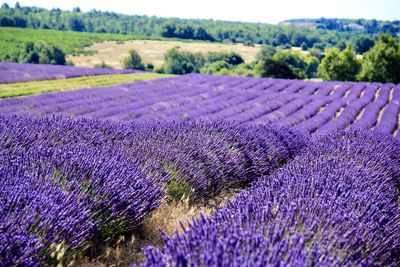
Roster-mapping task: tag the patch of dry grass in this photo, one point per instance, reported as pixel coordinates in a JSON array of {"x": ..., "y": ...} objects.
[
  {"x": 152, "y": 51},
  {"x": 127, "y": 249},
  {"x": 46, "y": 86}
]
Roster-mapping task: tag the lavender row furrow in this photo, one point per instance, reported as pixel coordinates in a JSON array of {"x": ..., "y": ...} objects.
[
  {"x": 312, "y": 107},
  {"x": 336, "y": 204}
]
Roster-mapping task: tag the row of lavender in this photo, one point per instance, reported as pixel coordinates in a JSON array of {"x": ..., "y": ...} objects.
[
  {"x": 312, "y": 107},
  {"x": 336, "y": 204},
  {"x": 66, "y": 183},
  {"x": 16, "y": 72}
]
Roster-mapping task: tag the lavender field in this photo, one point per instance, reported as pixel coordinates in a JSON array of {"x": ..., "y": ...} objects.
[
  {"x": 316, "y": 166},
  {"x": 16, "y": 72},
  {"x": 311, "y": 107}
]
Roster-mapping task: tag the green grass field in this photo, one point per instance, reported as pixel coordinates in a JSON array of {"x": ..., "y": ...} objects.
[
  {"x": 72, "y": 43},
  {"x": 11, "y": 39},
  {"x": 37, "y": 87}
]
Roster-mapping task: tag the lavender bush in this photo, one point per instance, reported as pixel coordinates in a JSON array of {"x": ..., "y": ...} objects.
[
  {"x": 312, "y": 107},
  {"x": 334, "y": 205},
  {"x": 65, "y": 183}
]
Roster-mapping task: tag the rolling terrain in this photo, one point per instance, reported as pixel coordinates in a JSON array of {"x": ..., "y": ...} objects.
[{"x": 274, "y": 172}]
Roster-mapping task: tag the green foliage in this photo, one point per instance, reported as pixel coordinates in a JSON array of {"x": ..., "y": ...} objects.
[
  {"x": 133, "y": 61},
  {"x": 232, "y": 58},
  {"x": 328, "y": 33},
  {"x": 223, "y": 68},
  {"x": 171, "y": 30},
  {"x": 364, "y": 44},
  {"x": 243, "y": 70},
  {"x": 181, "y": 62},
  {"x": 177, "y": 188},
  {"x": 317, "y": 53},
  {"x": 351, "y": 25},
  {"x": 216, "y": 67},
  {"x": 304, "y": 46},
  {"x": 75, "y": 23},
  {"x": 294, "y": 60},
  {"x": 319, "y": 46},
  {"x": 274, "y": 69},
  {"x": 312, "y": 67},
  {"x": 149, "y": 66},
  {"x": 299, "y": 39},
  {"x": 266, "y": 52},
  {"x": 13, "y": 39},
  {"x": 341, "y": 45},
  {"x": 339, "y": 65},
  {"x": 59, "y": 178},
  {"x": 382, "y": 62},
  {"x": 38, "y": 53}
]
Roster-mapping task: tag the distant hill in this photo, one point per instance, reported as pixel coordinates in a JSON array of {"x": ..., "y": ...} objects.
[
  {"x": 347, "y": 25},
  {"x": 320, "y": 33},
  {"x": 74, "y": 30}
]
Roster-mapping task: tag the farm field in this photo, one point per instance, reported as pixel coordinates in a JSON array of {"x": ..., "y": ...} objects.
[
  {"x": 152, "y": 51},
  {"x": 312, "y": 107},
  {"x": 89, "y": 176}
]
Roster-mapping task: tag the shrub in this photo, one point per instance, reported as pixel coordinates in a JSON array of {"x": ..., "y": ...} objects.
[{"x": 133, "y": 61}]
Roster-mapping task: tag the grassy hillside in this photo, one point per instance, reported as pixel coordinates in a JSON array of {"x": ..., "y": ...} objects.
[
  {"x": 11, "y": 39},
  {"x": 89, "y": 49}
]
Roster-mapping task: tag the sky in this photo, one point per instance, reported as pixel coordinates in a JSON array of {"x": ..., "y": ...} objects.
[{"x": 268, "y": 11}]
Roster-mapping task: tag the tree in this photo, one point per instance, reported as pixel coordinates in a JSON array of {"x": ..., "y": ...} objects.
[
  {"x": 168, "y": 30},
  {"x": 382, "y": 62},
  {"x": 298, "y": 39},
  {"x": 314, "y": 52},
  {"x": 6, "y": 22},
  {"x": 28, "y": 54},
  {"x": 40, "y": 53},
  {"x": 266, "y": 51},
  {"x": 341, "y": 45},
  {"x": 339, "y": 65},
  {"x": 215, "y": 67},
  {"x": 312, "y": 67},
  {"x": 275, "y": 69},
  {"x": 201, "y": 34},
  {"x": 19, "y": 22},
  {"x": 76, "y": 24},
  {"x": 364, "y": 44},
  {"x": 185, "y": 32},
  {"x": 281, "y": 39},
  {"x": 294, "y": 60},
  {"x": 180, "y": 62},
  {"x": 50, "y": 54},
  {"x": 133, "y": 61},
  {"x": 231, "y": 58}
]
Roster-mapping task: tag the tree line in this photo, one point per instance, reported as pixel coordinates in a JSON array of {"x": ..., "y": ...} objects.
[
  {"x": 365, "y": 26},
  {"x": 195, "y": 29},
  {"x": 380, "y": 64}
]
